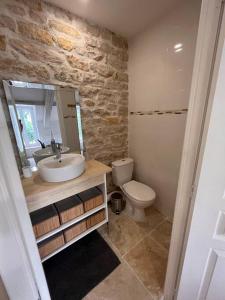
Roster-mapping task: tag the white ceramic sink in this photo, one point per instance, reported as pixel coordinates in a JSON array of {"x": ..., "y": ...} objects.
[
  {"x": 46, "y": 152},
  {"x": 68, "y": 167}
]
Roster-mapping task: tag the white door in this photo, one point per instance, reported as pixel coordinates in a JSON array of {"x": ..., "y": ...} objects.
[
  {"x": 203, "y": 273},
  {"x": 20, "y": 265}
]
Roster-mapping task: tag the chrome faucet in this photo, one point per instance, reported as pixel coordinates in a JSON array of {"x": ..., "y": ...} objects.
[
  {"x": 58, "y": 152},
  {"x": 56, "y": 149}
]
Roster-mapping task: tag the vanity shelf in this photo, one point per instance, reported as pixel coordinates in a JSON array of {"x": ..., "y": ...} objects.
[
  {"x": 40, "y": 194},
  {"x": 70, "y": 223},
  {"x": 75, "y": 239}
]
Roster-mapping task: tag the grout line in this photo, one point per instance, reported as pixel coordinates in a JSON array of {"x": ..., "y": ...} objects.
[
  {"x": 158, "y": 243},
  {"x": 126, "y": 262},
  {"x": 169, "y": 220},
  {"x": 137, "y": 277},
  {"x": 145, "y": 235},
  {"x": 133, "y": 271},
  {"x": 122, "y": 256},
  {"x": 123, "y": 261},
  {"x": 111, "y": 244}
]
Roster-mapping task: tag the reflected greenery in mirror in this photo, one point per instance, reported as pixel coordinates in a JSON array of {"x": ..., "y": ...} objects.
[{"x": 40, "y": 114}]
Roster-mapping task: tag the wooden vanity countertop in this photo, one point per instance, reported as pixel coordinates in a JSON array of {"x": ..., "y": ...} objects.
[{"x": 40, "y": 193}]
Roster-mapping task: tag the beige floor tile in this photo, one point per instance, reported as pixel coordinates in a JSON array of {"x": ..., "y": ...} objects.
[
  {"x": 145, "y": 257},
  {"x": 149, "y": 261},
  {"x": 121, "y": 284},
  {"x": 162, "y": 234},
  {"x": 103, "y": 231},
  {"x": 124, "y": 233},
  {"x": 153, "y": 219},
  {"x": 3, "y": 293}
]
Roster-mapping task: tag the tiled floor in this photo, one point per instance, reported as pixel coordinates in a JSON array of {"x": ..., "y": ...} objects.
[{"x": 142, "y": 250}]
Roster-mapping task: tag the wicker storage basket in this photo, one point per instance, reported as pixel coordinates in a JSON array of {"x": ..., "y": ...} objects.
[
  {"x": 74, "y": 230},
  {"x": 51, "y": 244},
  {"x": 44, "y": 220},
  {"x": 95, "y": 219},
  {"x": 69, "y": 208},
  {"x": 91, "y": 198}
]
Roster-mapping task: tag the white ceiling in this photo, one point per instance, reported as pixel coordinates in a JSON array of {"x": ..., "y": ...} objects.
[{"x": 126, "y": 17}]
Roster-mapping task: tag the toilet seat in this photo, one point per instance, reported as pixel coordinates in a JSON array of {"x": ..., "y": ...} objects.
[{"x": 139, "y": 191}]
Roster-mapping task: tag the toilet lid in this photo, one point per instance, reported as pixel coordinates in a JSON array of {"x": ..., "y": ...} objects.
[{"x": 139, "y": 191}]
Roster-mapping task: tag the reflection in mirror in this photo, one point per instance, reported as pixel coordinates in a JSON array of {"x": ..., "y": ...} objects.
[{"x": 44, "y": 118}]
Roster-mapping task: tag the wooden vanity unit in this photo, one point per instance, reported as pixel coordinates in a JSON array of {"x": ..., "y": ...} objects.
[{"x": 91, "y": 213}]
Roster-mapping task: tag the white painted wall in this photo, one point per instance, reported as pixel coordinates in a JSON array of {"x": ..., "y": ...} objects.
[{"x": 159, "y": 79}]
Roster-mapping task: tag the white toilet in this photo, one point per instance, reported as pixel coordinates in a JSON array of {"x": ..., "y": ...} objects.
[{"x": 139, "y": 196}]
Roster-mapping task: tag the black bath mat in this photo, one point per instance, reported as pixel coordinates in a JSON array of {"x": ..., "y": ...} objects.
[{"x": 72, "y": 273}]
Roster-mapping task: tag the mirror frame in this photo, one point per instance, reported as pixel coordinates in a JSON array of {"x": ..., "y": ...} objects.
[{"x": 6, "y": 84}]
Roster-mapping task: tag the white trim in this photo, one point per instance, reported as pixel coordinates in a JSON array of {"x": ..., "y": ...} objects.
[
  {"x": 77, "y": 238},
  {"x": 208, "y": 202},
  {"x": 209, "y": 19},
  {"x": 11, "y": 236},
  {"x": 70, "y": 223},
  {"x": 20, "y": 223}
]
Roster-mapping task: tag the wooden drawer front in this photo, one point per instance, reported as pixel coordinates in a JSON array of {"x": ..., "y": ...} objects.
[
  {"x": 91, "y": 198},
  {"x": 71, "y": 213},
  {"x": 50, "y": 245},
  {"x": 69, "y": 208},
  {"x": 46, "y": 226},
  {"x": 74, "y": 230},
  {"x": 95, "y": 219},
  {"x": 94, "y": 202},
  {"x": 44, "y": 220}
]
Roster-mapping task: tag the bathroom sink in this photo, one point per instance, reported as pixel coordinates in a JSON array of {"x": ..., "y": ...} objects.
[
  {"x": 68, "y": 167},
  {"x": 46, "y": 152}
]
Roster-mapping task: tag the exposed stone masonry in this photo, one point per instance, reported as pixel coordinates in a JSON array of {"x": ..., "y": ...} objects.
[{"x": 42, "y": 43}]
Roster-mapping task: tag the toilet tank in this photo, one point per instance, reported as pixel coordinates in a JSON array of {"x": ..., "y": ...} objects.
[{"x": 122, "y": 171}]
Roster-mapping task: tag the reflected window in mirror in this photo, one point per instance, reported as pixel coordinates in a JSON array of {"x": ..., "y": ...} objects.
[
  {"x": 27, "y": 115},
  {"x": 40, "y": 113}
]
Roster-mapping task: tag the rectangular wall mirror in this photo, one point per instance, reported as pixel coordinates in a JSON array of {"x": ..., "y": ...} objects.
[{"x": 41, "y": 113}]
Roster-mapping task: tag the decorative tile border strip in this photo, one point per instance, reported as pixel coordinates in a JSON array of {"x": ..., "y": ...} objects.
[{"x": 159, "y": 112}]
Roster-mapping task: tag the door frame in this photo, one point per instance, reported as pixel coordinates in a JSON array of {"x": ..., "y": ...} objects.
[
  {"x": 205, "y": 66},
  {"x": 14, "y": 210},
  {"x": 202, "y": 206}
]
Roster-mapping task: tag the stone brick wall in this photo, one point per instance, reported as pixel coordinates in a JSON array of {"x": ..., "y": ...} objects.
[{"x": 42, "y": 43}]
